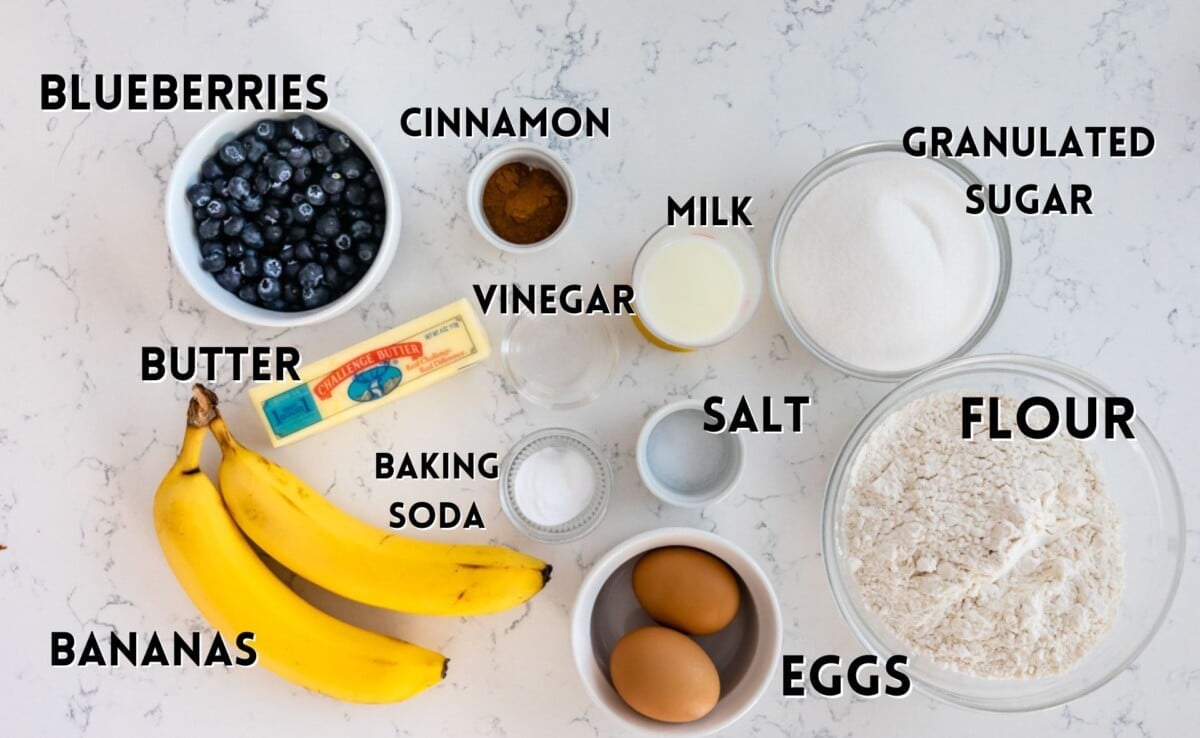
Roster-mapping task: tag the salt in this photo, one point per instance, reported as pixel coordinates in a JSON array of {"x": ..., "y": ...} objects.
[
  {"x": 884, "y": 269},
  {"x": 554, "y": 485}
]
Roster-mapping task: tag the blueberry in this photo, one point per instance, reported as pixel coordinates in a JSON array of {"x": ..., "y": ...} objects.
[
  {"x": 356, "y": 194},
  {"x": 252, "y": 203},
  {"x": 291, "y": 293},
  {"x": 312, "y": 296},
  {"x": 216, "y": 208},
  {"x": 291, "y": 270},
  {"x": 366, "y": 253},
  {"x": 233, "y": 225},
  {"x": 247, "y": 293},
  {"x": 370, "y": 180},
  {"x": 279, "y": 170},
  {"x": 252, "y": 236},
  {"x": 305, "y": 252},
  {"x": 211, "y": 168},
  {"x": 333, "y": 182},
  {"x": 353, "y": 167},
  {"x": 284, "y": 145},
  {"x": 324, "y": 257},
  {"x": 322, "y": 155},
  {"x": 375, "y": 201},
  {"x": 210, "y": 228},
  {"x": 287, "y": 252},
  {"x": 199, "y": 194},
  {"x": 256, "y": 150},
  {"x": 315, "y": 194},
  {"x": 220, "y": 187},
  {"x": 343, "y": 242},
  {"x": 327, "y": 225},
  {"x": 230, "y": 278},
  {"x": 360, "y": 229},
  {"x": 302, "y": 176},
  {"x": 304, "y": 212},
  {"x": 232, "y": 208},
  {"x": 265, "y": 130},
  {"x": 297, "y": 233},
  {"x": 239, "y": 188},
  {"x": 298, "y": 156},
  {"x": 262, "y": 183},
  {"x": 311, "y": 275},
  {"x": 269, "y": 289},
  {"x": 333, "y": 277},
  {"x": 249, "y": 266},
  {"x": 296, "y": 198},
  {"x": 356, "y": 213},
  {"x": 303, "y": 128},
  {"x": 280, "y": 190},
  {"x": 232, "y": 154},
  {"x": 234, "y": 250},
  {"x": 245, "y": 171},
  {"x": 199, "y": 214},
  {"x": 270, "y": 215},
  {"x": 272, "y": 267},
  {"x": 340, "y": 143},
  {"x": 214, "y": 261},
  {"x": 272, "y": 234}
]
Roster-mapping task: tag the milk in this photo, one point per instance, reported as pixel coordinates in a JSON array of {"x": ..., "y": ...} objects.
[{"x": 690, "y": 291}]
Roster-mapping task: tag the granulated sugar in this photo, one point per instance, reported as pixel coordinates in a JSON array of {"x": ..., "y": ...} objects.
[
  {"x": 998, "y": 558},
  {"x": 884, "y": 269}
]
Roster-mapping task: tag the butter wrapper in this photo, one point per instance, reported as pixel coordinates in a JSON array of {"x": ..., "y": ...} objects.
[{"x": 372, "y": 373}]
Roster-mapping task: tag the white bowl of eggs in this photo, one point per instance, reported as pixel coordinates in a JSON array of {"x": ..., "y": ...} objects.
[{"x": 676, "y": 632}]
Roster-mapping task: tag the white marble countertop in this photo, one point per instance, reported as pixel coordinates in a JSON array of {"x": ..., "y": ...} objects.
[{"x": 704, "y": 98}]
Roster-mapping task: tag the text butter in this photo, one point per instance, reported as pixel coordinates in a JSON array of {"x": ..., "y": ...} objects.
[{"x": 372, "y": 373}]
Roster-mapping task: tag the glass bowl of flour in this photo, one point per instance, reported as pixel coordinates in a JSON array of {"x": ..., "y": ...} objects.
[
  {"x": 878, "y": 269},
  {"x": 1015, "y": 574}
]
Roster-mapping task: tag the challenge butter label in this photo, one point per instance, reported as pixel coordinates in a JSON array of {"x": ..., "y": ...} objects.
[{"x": 374, "y": 372}]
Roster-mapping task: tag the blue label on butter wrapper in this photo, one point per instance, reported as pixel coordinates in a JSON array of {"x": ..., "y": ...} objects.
[{"x": 291, "y": 411}]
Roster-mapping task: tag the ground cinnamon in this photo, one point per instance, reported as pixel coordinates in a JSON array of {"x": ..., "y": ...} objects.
[{"x": 524, "y": 204}]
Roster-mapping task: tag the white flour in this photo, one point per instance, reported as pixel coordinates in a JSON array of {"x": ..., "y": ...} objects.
[{"x": 997, "y": 558}]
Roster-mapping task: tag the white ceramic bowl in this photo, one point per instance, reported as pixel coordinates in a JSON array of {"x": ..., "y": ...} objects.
[
  {"x": 525, "y": 153},
  {"x": 185, "y": 245},
  {"x": 683, "y": 481},
  {"x": 746, "y": 652}
]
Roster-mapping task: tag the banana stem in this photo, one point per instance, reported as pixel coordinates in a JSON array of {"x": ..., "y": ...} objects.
[
  {"x": 203, "y": 407},
  {"x": 221, "y": 432},
  {"x": 193, "y": 441}
]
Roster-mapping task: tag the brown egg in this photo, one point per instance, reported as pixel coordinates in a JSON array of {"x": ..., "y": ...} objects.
[
  {"x": 687, "y": 589},
  {"x": 664, "y": 675}
]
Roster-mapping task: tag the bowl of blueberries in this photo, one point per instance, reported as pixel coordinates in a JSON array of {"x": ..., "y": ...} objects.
[{"x": 282, "y": 219}]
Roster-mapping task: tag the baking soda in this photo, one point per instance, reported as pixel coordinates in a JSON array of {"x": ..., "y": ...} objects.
[{"x": 554, "y": 485}]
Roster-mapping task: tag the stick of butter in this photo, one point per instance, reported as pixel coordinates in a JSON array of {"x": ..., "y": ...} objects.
[{"x": 372, "y": 373}]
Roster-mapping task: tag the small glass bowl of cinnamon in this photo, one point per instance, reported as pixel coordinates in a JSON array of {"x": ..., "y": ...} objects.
[{"x": 521, "y": 197}]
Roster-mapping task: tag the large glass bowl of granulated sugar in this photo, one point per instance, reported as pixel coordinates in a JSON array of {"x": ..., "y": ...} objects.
[
  {"x": 878, "y": 269},
  {"x": 908, "y": 539}
]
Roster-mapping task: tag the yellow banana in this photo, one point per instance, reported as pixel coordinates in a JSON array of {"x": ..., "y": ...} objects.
[
  {"x": 236, "y": 592},
  {"x": 302, "y": 530}
]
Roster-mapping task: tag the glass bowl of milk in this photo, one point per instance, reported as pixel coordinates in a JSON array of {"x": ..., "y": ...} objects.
[{"x": 695, "y": 287}]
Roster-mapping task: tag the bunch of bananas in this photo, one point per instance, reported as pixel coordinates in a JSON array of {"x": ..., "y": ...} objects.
[{"x": 203, "y": 533}]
